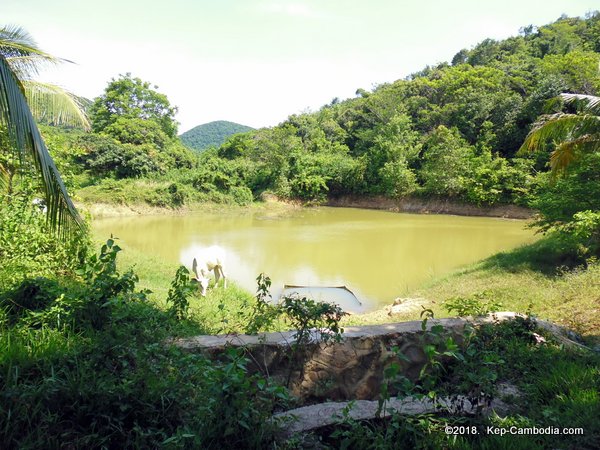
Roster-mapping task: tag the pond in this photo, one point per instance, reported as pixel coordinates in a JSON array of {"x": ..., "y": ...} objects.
[{"x": 377, "y": 255}]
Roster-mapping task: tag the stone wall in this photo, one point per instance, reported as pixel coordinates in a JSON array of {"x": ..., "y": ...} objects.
[{"x": 351, "y": 369}]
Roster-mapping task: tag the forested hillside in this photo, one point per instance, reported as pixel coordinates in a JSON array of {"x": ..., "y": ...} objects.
[
  {"x": 450, "y": 131},
  {"x": 211, "y": 134}
]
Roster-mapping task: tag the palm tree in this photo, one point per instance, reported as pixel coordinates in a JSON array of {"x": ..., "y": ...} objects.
[
  {"x": 573, "y": 134},
  {"x": 19, "y": 58}
]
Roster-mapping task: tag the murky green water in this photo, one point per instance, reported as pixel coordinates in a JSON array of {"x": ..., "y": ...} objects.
[{"x": 378, "y": 255}]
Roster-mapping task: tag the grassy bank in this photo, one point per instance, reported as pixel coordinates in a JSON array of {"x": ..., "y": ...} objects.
[
  {"x": 100, "y": 208},
  {"x": 534, "y": 278},
  {"x": 156, "y": 275}
]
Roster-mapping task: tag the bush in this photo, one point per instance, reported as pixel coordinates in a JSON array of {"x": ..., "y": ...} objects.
[
  {"x": 570, "y": 204},
  {"x": 241, "y": 195},
  {"x": 29, "y": 248},
  {"x": 478, "y": 304},
  {"x": 32, "y": 294}
]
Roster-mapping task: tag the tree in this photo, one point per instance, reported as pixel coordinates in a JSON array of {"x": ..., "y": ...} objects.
[
  {"x": 141, "y": 119},
  {"x": 128, "y": 98},
  {"x": 572, "y": 134},
  {"x": 570, "y": 200},
  {"x": 24, "y": 140},
  {"x": 448, "y": 163}
]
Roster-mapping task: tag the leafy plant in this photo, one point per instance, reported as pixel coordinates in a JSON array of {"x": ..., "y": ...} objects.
[
  {"x": 308, "y": 316},
  {"x": 263, "y": 314},
  {"x": 28, "y": 246},
  {"x": 181, "y": 289},
  {"x": 477, "y": 304},
  {"x": 239, "y": 405},
  {"x": 105, "y": 287}
]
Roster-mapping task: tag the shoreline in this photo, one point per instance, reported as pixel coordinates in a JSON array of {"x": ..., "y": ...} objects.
[
  {"x": 409, "y": 205},
  {"x": 431, "y": 206}
]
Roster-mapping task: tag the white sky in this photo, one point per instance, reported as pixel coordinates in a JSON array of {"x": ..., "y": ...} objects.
[{"x": 257, "y": 61}]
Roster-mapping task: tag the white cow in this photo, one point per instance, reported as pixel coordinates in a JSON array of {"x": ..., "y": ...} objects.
[{"x": 211, "y": 259}]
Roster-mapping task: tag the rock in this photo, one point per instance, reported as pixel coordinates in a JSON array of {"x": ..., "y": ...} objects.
[
  {"x": 502, "y": 404},
  {"x": 313, "y": 417},
  {"x": 403, "y": 305}
]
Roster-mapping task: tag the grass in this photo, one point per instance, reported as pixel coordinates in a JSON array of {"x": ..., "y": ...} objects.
[{"x": 530, "y": 278}]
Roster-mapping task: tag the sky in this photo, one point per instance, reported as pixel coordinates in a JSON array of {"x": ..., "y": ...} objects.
[{"x": 256, "y": 62}]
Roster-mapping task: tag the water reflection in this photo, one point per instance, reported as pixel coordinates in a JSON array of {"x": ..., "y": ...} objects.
[{"x": 377, "y": 254}]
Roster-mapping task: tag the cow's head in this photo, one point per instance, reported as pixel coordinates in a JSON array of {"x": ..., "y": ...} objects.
[
  {"x": 202, "y": 284},
  {"x": 201, "y": 278}
]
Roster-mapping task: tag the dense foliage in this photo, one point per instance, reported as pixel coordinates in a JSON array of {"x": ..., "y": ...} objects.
[
  {"x": 211, "y": 134},
  {"x": 85, "y": 359},
  {"x": 29, "y": 248},
  {"x": 452, "y": 130}
]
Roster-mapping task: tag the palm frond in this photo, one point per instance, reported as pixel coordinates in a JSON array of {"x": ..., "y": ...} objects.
[
  {"x": 25, "y": 66},
  {"x": 55, "y": 105},
  {"x": 549, "y": 128},
  {"x": 557, "y": 128},
  {"x": 26, "y": 140},
  {"x": 22, "y": 52},
  {"x": 591, "y": 102},
  {"x": 566, "y": 152}
]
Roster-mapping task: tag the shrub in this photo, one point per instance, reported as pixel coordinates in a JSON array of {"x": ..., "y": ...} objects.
[
  {"x": 181, "y": 289},
  {"x": 29, "y": 248},
  {"x": 104, "y": 288},
  {"x": 241, "y": 195},
  {"x": 478, "y": 304},
  {"x": 32, "y": 294}
]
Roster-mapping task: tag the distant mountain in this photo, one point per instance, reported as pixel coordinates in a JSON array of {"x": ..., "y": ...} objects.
[{"x": 211, "y": 134}]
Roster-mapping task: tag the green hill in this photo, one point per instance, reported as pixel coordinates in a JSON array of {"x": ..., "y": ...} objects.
[{"x": 211, "y": 134}]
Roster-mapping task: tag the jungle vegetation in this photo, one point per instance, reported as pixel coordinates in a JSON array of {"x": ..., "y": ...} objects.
[{"x": 84, "y": 356}]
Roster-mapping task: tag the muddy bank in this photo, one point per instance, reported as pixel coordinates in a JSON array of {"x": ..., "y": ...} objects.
[
  {"x": 105, "y": 210},
  {"x": 270, "y": 202},
  {"x": 101, "y": 210},
  {"x": 431, "y": 206}
]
